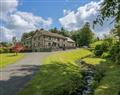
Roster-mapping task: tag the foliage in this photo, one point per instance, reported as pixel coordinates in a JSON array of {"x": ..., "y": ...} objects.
[
  {"x": 59, "y": 75},
  {"x": 26, "y": 35},
  {"x": 115, "y": 53},
  {"x": 98, "y": 52},
  {"x": 110, "y": 83},
  {"x": 98, "y": 47},
  {"x": 4, "y": 49},
  {"x": 84, "y": 36},
  {"x": 104, "y": 46},
  {"x": 54, "y": 30},
  {"x": 8, "y": 58},
  {"x": 62, "y": 31},
  {"x": 17, "y": 48},
  {"x": 5, "y": 44},
  {"x": 109, "y": 9},
  {"x": 94, "y": 44},
  {"x": 116, "y": 31}
]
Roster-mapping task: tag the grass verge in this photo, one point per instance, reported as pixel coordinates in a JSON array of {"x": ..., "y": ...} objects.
[
  {"x": 93, "y": 60},
  {"x": 9, "y": 58},
  {"x": 93, "y": 45},
  {"x": 110, "y": 84},
  {"x": 59, "y": 75}
]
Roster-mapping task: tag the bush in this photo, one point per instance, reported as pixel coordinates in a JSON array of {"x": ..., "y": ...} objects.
[
  {"x": 115, "y": 53},
  {"x": 105, "y": 55},
  {"x": 105, "y": 46},
  {"x": 98, "y": 52},
  {"x": 4, "y": 50},
  {"x": 99, "y": 49},
  {"x": 1, "y": 50}
]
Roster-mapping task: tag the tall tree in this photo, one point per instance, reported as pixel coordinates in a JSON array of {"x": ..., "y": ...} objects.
[
  {"x": 83, "y": 36},
  {"x": 86, "y": 35},
  {"x": 26, "y": 35},
  {"x": 54, "y": 30},
  {"x": 64, "y": 32},
  {"x": 116, "y": 31}
]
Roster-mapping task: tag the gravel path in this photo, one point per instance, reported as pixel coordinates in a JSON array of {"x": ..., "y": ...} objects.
[{"x": 15, "y": 76}]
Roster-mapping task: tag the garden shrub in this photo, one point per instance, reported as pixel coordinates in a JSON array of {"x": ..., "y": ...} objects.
[
  {"x": 105, "y": 46},
  {"x": 105, "y": 55},
  {"x": 115, "y": 53},
  {"x": 98, "y": 51},
  {"x": 98, "y": 47},
  {"x": 4, "y": 50},
  {"x": 1, "y": 50}
]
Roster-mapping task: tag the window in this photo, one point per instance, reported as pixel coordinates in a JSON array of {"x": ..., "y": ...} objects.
[
  {"x": 33, "y": 44},
  {"x": 58, "y": 39},
  {"x": 49, "y": 44},
  {"x": 49, "y": 38}
]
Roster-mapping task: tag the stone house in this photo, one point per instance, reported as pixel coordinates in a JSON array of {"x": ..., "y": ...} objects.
[
  {"x": 70, "y": 43},
  {"x": 43, "y": 40},
  {"x": 27, "y": 42}
]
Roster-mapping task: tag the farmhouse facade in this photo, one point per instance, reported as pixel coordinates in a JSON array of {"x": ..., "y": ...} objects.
[{"x": 43, "y": 40}]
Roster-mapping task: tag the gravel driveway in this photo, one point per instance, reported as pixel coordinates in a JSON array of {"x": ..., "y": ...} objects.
[{"x": 15, "y": 76}]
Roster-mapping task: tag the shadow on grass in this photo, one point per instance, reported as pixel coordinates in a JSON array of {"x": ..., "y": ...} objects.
[
  {"x": 54, "y": 79},
  {"x": 17, "y": 79}
]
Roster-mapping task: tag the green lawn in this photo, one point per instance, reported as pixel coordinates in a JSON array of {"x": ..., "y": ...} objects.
[
  {"x": 8, "y": 58},
  {"x": 59, "y": 75},
  {"x": 93, "y": 45},
  {"x": 93, "y": 60},
  {"x": 110, "y": 84},
  {"x": 67, "y": 57}
]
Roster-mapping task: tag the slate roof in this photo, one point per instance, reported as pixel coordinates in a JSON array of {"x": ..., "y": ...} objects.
[
  {"x": 70, "y": 40},
  {"x": 47, "y": 33}
]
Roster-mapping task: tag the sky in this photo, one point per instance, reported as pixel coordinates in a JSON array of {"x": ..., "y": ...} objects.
[{"x": 19, "y": 16}]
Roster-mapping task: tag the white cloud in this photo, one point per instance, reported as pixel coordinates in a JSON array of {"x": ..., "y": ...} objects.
[
  {"x": 69, "y": 21},
  {"x": 101, "y": 34},
  {"x": 18, "y": 22},
  {"x": 25, "y": 20},
  {"x": 7, "y": 7},
  {"x": 88, "y": 10},
  {"x": 5, "y": 34},
  {"x": 74, "y": 20},
  {"x": 66, "y": 12}
]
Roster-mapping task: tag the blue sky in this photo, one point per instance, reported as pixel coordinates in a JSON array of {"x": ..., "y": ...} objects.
[
  {"x": 19, "y": 16},
  {"x": 50, "y": 8}
]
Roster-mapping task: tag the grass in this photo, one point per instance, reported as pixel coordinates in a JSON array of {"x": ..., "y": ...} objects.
[
  {"x": 110, "y": 84},
  {"x": 59, "y": 75},
  {"x": 93, "y": 61},
  {"x": 67, "y": 57},
  {"x": 93, "y": 45},
  {"x": 9, "y": 58}
]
